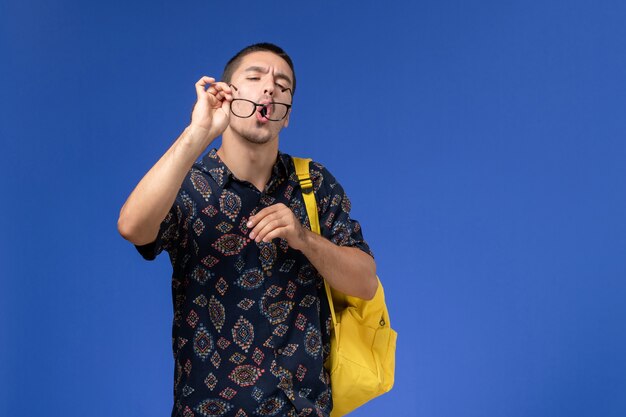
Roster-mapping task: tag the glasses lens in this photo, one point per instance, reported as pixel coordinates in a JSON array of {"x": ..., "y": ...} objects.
[
  {"x": 277, "y": 111},
  {"x": 242, "y": 108}
]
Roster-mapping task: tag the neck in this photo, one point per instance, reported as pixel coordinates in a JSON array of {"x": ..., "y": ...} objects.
[{"x": 249, "y": 161}]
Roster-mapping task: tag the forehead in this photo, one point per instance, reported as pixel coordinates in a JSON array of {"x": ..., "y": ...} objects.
[{"x": 264, "y": 61}]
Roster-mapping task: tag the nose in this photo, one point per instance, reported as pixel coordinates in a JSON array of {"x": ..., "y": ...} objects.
[{"x": 268, "y": 88}]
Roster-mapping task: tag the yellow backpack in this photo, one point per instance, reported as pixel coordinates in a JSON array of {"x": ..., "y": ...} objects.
[{"x": 363, "y": 344}]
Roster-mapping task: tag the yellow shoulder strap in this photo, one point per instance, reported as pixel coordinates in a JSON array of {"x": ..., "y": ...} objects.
[{"x": 306, "y": 184}]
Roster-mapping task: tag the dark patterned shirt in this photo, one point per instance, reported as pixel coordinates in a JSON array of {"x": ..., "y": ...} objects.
[{"x": 251, "y": 320}]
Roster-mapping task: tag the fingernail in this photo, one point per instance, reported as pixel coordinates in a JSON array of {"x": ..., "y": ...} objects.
[
  {"x": 251, "y": 235},
  {"x": 249, "y": 224}
]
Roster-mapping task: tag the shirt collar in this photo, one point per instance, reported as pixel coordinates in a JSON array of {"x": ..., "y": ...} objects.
[{"x": 213, "y": 165}]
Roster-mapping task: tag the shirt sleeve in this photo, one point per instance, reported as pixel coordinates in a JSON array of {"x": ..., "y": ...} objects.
[
  {"x": 334, "y": 207},
  {"x": 169, "y": 233}
]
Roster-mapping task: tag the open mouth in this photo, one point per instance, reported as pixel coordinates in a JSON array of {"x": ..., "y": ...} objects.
[{"x": 264, "y": 113}]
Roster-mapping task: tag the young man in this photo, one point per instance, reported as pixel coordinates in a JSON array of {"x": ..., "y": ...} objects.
[{"x": 251, "y": 319}]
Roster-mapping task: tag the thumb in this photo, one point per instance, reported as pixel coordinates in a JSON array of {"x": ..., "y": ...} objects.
[{"x": 226, "y": 107}]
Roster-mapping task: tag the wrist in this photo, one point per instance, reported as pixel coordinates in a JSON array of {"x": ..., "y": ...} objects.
[
  {"x": 198, "y": 135},
  {"x": 307, "y": 240}
]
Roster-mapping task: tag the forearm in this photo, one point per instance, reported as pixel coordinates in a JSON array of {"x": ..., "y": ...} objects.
[
  {"x": 152, "y": 198},
  {"x": 347, "y": 269}
]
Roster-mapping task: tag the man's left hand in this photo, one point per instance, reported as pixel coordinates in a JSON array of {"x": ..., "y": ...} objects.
[{"x": 277, "y": 221}]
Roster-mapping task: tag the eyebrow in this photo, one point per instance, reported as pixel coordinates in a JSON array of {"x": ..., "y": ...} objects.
[{"x": 266, "y": 70}]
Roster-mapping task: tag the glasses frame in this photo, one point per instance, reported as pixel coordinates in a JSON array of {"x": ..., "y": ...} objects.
[{"x": 260, "y": 105}]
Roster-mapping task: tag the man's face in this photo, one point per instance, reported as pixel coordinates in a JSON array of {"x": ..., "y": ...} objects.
[{"x": 261, "y": 77}]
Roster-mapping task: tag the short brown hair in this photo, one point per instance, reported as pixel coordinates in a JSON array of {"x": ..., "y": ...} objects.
[{"x": 234, "y": 62}]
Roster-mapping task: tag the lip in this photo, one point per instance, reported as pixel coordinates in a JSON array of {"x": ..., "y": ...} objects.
[{"x": 259, "y": 117}]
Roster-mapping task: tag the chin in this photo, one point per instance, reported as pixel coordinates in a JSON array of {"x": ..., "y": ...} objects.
[
  {"x": 258, "y": 137},
  {"x": 259, "y": 140},
  {"x": 257, "y": 134}
]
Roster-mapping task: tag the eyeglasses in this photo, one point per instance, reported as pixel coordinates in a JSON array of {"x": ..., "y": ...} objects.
[{"x": 273, "y": 111}]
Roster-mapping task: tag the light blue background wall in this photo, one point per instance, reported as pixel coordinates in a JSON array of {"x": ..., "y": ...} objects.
[{"x": 482, "y": 144}]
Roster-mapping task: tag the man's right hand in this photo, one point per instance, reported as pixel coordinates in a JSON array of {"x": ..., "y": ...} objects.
[
  {"x": 212, "y": 109},
  {"x": 151, "y": 200}
]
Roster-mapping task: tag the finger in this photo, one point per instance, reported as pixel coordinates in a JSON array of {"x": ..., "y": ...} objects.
[
  {"x": 220, "y": 93},
  {"x": 228, "y": 96},
  {"x": 255, "y": 218},
  {"x": 224, "y": 91},
  {"x": 269, "y": 227},
  {"x": 280, "y": 232},
  {"x": 222, "y": 86},
  {"x": 256, "y": 222},
  {"x": 261, "y": 224},
  {"x": 226, "y": 107},
  {"x": 202, "y": 83},
  {"x": 205, "y": 80}
]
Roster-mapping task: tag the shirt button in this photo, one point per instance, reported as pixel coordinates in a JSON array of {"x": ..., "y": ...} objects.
[
  {"x": 269, "y": 273},
  {"x": 279, "y": 351}
]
